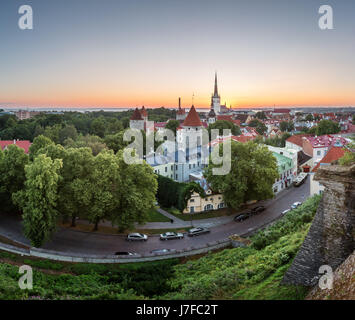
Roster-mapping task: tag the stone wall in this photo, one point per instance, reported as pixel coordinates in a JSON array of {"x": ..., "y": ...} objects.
[{"x": 331, "y": 238}]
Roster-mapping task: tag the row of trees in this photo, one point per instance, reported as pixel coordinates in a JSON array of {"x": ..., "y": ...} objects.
[
  {"x": 59, "y": 127},
  {"x": 57, "y": 183}
]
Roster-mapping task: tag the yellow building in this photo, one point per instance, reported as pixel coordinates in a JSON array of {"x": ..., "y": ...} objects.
[{"x": 197, "y": 204}]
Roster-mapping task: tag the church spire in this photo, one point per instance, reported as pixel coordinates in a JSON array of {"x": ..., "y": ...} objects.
[{"x": 215, "y": 85}]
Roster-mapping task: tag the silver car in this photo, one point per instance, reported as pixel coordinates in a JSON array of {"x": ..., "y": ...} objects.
[
  {"x": 295, "y": 205},
  {"x": 137, "y": 237},
  {"x": 171, "y": 235}
]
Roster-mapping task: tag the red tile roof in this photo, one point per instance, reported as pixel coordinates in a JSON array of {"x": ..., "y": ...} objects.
[
  {"x": 24, "y": 144},
  {"x": 136, "y": 115},
  {"x": 225, "y": 118},
  {"x": 192, "y": 119},
  {"x": 333, "y": 154},
  {"x": 297, "y": 139},
  {"x": 326, "y": 141}
]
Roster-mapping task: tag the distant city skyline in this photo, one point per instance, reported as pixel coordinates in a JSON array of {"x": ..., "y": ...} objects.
[{"x": 125, "y": 54}]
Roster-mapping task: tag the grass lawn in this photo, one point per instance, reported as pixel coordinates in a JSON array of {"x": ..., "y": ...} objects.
[
  {"x": 155, "y": 216},
  {"x": 204, "y": 215}
]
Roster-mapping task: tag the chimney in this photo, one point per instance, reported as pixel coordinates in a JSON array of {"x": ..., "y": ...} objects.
[{"x": 179, "y": 102}]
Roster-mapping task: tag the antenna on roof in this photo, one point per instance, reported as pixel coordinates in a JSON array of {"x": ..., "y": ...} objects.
[{"x": 193, "y": 97}]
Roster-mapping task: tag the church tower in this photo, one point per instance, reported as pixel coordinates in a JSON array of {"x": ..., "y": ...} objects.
[{"x": 216, "y": 99}]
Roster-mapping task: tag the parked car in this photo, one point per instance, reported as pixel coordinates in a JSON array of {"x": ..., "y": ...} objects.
[
  {"x": 171, "y": 235},
  {"x": 241, "y": 217},
  {"x": 300, "y": 179},
  {"x": 160, "y": 251},
  {"x": 197, "y": 231},
  {"x": 124, "y": 253},
  {"x": 258, "y": 209},
  {"x": 137, "y": 237},
  {"x": 285, "y": 211},
  {"x": 295, "y": 205}
]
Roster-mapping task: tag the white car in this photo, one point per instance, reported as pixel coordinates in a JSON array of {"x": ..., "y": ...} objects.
[
  {"x": 137, "y": 237},
  {"x": 285, "y": 211},
  {"x": 171, "y": 235},
  {"x": 295, "y": 205}
]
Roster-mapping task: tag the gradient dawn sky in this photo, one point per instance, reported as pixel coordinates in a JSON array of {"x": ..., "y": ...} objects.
[{"x": 115, "y": 53}]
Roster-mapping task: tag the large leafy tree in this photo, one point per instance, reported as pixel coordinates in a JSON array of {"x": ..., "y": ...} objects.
[
  {"x": 223, "y": 124},
  {"x": 286, "y": 126},
  {"x": 259, "y": 126},
  {"x": 172, "y": 125},
  {"x": 38, "y": 200},
  {"x": 134, "y": 193},
  {"x": 327, "y": 127},
  {"x": 115, "y": 142},
  {"x": 253, "y": 172},
  {"x": 12, "y": 174},
  {"x": 39, "y": 143}
]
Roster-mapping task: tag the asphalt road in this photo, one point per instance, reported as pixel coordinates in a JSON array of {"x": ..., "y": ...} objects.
[{"x": 67, "y": 240}]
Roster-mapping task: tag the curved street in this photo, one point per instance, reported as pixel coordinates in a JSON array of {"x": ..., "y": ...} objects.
[{"x": 71, "y": 241}]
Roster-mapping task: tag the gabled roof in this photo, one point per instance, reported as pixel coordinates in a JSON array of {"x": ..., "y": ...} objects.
[
  {"x": 242, "y": 117},
  {"x": 297, "y": 139},
  {"x": 192, "y": 119},
  {"x": 333, "y": 154},
  {"x": 136, "y": 115},
  {"x": 23, "y": 144}
]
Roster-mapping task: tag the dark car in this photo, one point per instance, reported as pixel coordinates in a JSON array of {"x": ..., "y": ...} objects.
[
  {"x": 124, "y": 253},
  {"x": 197, "y": 231},
  {"x": 258, "y": 209},
  {"x": 241, "y": 217}
]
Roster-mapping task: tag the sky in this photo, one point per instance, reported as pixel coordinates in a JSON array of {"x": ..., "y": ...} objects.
[{"x": 113, "y": 53}]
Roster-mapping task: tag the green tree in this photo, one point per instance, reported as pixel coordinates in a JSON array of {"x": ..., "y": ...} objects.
[
  {"x": 39, "y": 143},
  {"x": 38, "y": 200},
  {"x": 253, "y": 172},
  {"x": 327, "y": 127},
  {"x": 115, "y": 141},
  {"x": 286, "y": 126},
  {"x": 309, "y": 117},
  {"x": 134, "y": 193},
  {"x": 259, "y": 126},
  {"x": 68, "y": 131},
  {"x": 98, "y": 127},
  {"x": 12, "y": 174},
  {"x": 53, "y": 132},
  {"x": 223, "y": 124},
  {"x": 172, "y": 125},
  {"x": 260, "y": 115}
]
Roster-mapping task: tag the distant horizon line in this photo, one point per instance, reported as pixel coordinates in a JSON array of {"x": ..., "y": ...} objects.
[{"x": 166, "y": 107}]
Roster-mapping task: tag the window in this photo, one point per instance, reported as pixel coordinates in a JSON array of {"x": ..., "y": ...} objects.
[
  {"x": 221, "y": 205},
  {"x": 192, "y": 200},
  {"x": 318, "y": 153},
  {"x": 172, "y": 167},
  {"x": 208, "y": 207},
  {"x": 166, "y": 169},
  {"x": 176, "y": 176}
]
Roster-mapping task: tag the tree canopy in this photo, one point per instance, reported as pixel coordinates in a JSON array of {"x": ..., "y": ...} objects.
[{"x": 252, "y": 175}]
